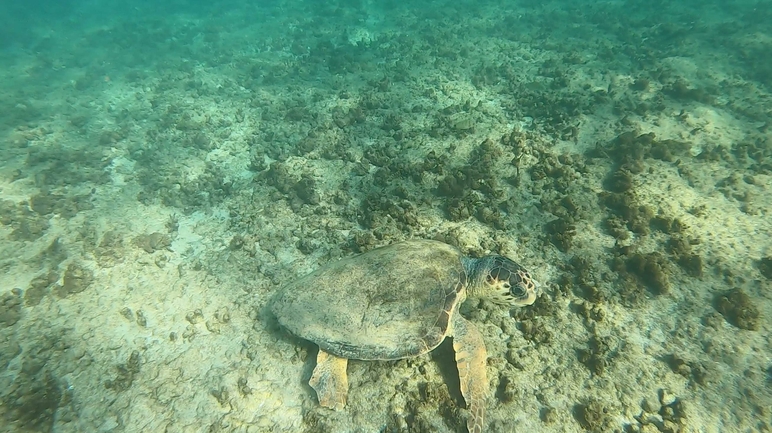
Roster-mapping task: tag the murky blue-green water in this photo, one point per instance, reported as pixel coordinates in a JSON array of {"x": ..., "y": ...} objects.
[{"x": 166, "y": 167}]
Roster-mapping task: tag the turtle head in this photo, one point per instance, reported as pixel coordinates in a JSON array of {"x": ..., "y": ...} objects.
[{"x": 502, "y": 281}]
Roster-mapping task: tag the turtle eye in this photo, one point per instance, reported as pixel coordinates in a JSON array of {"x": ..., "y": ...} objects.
[{"x": 518, "y": 290}]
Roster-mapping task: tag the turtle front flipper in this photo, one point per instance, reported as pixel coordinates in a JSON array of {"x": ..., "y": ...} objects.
[
  {"x": 329, "y": 380},
  {"x": 471, "y": 359}
]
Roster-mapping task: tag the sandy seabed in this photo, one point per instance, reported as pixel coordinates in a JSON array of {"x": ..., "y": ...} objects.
[{"x": 164, "y": 172}]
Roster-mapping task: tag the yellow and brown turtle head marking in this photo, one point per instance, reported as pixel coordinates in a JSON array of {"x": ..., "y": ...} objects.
[{"x": 503, "y": 281}]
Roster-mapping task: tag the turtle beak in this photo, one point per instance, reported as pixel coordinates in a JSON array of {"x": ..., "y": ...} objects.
[
  {"x": 531, "y": 293},
  {"x": 536, "y": 287}
]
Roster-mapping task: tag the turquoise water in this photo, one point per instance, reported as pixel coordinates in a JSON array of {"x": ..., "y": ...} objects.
[{"x": 165, "y": 168}]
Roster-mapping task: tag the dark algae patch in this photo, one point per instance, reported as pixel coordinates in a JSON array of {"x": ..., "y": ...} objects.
[
  {"x": 738, "y": 309},
  {"x": 765, "y": 267},
  {"x": 652, "y": 270},
  {"x": 594, "y": 416}
]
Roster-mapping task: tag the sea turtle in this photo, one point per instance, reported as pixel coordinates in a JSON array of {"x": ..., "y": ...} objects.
[{"x": 395, "y": 302}]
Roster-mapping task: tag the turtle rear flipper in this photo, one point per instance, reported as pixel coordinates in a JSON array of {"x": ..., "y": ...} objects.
[
  {"x": 471, "y": 359},
  {"x": 330, "y": 381}
]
